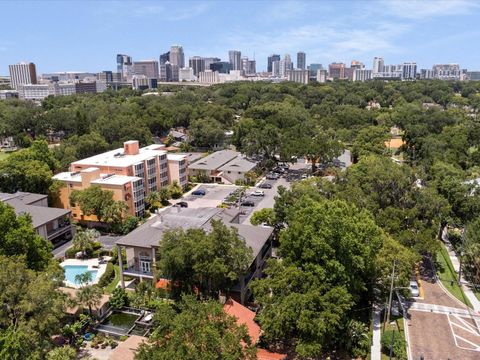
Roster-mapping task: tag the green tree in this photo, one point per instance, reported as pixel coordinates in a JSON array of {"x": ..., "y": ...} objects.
[
  {"x": 95, "y": 201},
  {"x": 198, "y": 331},
  {"x": 175, "y": 190},
  {"x": 89, "y": 296},
  {"x": 62, "y": 353},
  {"x": 31, "y": 311},
  {"x": 328, "y": 264},
  {"x": 119, "y": 298},
  {"x": 18, "y": 237},
  {"x": 84, "y": 239},
  {"x": 206, "y": 132},
  {"x": 265, "y": 215},
  {"x": 209, "y": 261},
  {"x": 369, "y": 140}
]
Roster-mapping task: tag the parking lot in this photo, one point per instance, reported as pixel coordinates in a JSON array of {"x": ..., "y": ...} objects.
[{"x": 214, "y": 195}]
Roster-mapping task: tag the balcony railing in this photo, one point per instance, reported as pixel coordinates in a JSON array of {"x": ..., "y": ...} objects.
[
  {"x": 133, "y": 271},
  {"x": 59, "y": 231}
]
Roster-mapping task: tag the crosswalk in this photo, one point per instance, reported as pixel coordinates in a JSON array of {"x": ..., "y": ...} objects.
[{"x": 446, "y": 310}]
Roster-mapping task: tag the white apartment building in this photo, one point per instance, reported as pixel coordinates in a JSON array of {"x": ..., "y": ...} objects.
[
  {"x": 362, "y": 75},
  {"x": 298, "y": 76},
  {"x": 208, "y": 77},
  {"x": 21, "y": 74}
]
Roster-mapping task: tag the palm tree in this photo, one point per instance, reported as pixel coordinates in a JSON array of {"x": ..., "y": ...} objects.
[
  {"x": 84, "y": 239},
  {"x": 89, "y": 296}
]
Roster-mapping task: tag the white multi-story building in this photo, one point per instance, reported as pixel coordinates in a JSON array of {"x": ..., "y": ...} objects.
[
  {"x": 298, "y": 75},
  {"x": 447, "y": 71},
  {"x": 362, "y": 75},
  {"x": 208, "y": 77},
  {"x": 186, "y": 74},
  {"x": 409, "y": 71},
  {"x": 378, "y": 64},
  {"x": 321, "y": 75},
  {"x": 22, "y": 74}
]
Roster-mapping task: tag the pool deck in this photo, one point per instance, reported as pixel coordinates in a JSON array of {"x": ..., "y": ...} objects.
[{"x": 92, "y": 265}]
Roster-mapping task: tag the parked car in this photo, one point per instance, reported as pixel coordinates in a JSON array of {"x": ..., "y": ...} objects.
[
  {"x": 414, "y": 289},
  {"x": 199, "y": 192},
  {"x": 182, "y": 204},
  {"x": 248, "y": 203},
  {"x": 265, "y": 186},
  {"x": 258, "y": 193},
  {"x": 272, "y": 176}
]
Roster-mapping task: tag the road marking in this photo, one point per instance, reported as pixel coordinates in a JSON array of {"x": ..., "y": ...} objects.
[{"x": 475, "y": 346}]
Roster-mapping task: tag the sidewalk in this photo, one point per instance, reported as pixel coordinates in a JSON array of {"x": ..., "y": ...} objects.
[
  {"x": 376, "y": 349},
  {"x": 466, "y": 288}
]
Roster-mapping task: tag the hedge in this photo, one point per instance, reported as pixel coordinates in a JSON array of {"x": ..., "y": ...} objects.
[{"x": 107, "y": 276}]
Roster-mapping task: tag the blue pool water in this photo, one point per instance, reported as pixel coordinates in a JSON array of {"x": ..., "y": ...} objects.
[{"x": 73, "y": 270}]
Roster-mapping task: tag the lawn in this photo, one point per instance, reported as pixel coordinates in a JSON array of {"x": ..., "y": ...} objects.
[
  {"x": 110, "y": 287},
  {"x": 397, "y": 326},
  {"x": 3, "y": 155},
  {"x": 447, "y": 275}
]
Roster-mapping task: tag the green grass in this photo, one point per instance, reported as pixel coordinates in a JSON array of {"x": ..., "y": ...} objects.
[
  {"x": 447, "y": 275},
  {"x": 398, "y": 325},
  {"x": 3, "y": 155},
  {"x": 110, "y": 287}
]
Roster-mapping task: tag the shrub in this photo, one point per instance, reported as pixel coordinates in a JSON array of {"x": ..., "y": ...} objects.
[
  {"x": 399, "y": 344},
  {"x": 70, "y": 253},
  {"x": 119, "y": 298},
  {"x": 107, "y": 276},
  {"x": 130, "y": 223}
]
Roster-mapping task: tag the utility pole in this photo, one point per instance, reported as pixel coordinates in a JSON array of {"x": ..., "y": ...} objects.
[{"x": 390, "y": 297}]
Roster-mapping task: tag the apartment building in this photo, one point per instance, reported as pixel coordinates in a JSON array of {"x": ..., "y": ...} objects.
[
  {"x": 142, "y": 244},
  {"x": 53, "y": 224},
  {"x": 130, "y": 172}
]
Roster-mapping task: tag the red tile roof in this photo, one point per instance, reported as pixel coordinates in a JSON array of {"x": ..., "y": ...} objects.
[{"x": 246, "y": 317}]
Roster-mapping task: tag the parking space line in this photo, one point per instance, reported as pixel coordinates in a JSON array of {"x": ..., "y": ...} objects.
[{"x": 456, "y": 337}]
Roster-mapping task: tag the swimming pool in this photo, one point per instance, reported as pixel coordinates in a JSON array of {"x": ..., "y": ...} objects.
[{"x": 73, "y": 270}]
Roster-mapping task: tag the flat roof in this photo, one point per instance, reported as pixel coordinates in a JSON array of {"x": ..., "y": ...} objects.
[
  {"x": 104, "y": 179},
  {"x": 118, "y": 158},
  {"x": 176, "y": 157},
  {"x": 214, "y": 161},
  {"x": 192, "y": 156}
]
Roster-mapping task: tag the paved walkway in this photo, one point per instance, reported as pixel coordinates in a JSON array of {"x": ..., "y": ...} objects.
[
  {"x": 375, "y": 350},
  {"x": 464, "y": 283}
]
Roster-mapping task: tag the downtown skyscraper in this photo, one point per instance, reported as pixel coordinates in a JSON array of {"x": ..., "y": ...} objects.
[
  {"x": 301, "y": 60},
  {"x": 235, "y": 58}
]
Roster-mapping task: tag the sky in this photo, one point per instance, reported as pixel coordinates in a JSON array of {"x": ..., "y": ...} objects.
[{"x": 87, "y": 35}]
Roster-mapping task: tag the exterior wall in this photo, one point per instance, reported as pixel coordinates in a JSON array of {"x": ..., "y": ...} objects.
[
  {"x": 177, "y": 171},
  {"x": 233, "y": 176},
  {"x": 42, "y": 231},
  {"x": 120, "y": 193}
]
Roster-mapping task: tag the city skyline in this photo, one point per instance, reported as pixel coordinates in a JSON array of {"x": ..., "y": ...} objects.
[{"x": 427, "y": 32}]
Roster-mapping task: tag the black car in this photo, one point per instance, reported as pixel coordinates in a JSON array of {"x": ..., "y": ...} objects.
[
  {"x": 183, "y": 204},
  {"x": 265, "y": 186},
  {"x": 199, "y": 192},
  {"x": 248, "y": 203}
]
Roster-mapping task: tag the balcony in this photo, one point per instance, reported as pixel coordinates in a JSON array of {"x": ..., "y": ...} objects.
[
  {"x": 134, "y": 269},
  {"x": 62, "y": 230}
]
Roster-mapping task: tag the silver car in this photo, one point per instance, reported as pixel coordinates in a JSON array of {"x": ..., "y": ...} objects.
[{"x": 414, "y": 289}]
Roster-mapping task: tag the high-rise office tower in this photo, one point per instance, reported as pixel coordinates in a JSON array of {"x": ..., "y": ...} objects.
[
  {"x": 276, "y": 68},
  {"x": 301, "y": 60},
  {"x": 222, "y": 67},
  {"x": 209, "y": 61},
  {"x": 270, "y": 60},
  {"x": 285, "y": 65},
  {"x": 125, "y": 66},
  {"x": 164, "y": 58},
  {"x": 148, "y": 68},
  {"x": 313, "y": 68},
  {"x": 197, "y": 63},
  {"x": 377, "y": 65},
  {"x": 22, "y": 74},
  {"x": 177, "y": 57},
  {"x": 235, "y": 58}
]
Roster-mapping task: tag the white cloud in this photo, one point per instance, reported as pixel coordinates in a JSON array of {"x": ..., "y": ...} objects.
[
  {"x": 171, "y": 13},
  {"x": 424, "y": 9}
]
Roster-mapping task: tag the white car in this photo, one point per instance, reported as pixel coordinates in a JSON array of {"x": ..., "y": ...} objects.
[
  {"x": 414, "y": 289},
  {"x": 258, "y": 193}
]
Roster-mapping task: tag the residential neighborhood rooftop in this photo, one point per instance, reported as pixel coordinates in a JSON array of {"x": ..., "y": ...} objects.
[
  {"x": 214, "y": 161},
  {"x": 40, "y": 214},
  {"x": 239, "y": 164},
  {"x": 149, "y": 234}
]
